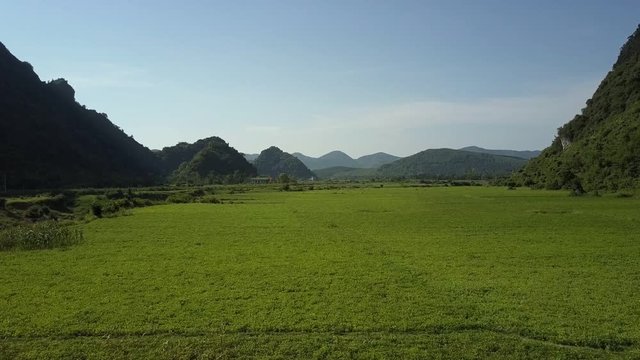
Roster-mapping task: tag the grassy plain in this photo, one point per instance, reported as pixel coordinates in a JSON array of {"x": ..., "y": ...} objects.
[{"x": 448, "y": 272}]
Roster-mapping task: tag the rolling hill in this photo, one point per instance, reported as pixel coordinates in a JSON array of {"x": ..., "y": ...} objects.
[{"x": 451, "y": 164}]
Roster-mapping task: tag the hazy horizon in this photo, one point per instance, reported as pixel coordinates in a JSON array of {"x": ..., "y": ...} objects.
[{"x": 312, "y": 77}]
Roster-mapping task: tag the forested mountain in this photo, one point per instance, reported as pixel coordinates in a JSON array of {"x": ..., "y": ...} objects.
[
  {"x": 451, "y": 164},
  {"x": 213, "y": 162},
  {"x": 173, "y": 156},
  {"x": 375, "y": 160},
  {"x": 48, "y": 140},
  {"x": 273, "y": 162},
  {"x": 600, "y": 147},
  {"x": 334, "y": 158},
  {"x": 524, "y": 154},
  {"x": 340, "y": 159}
]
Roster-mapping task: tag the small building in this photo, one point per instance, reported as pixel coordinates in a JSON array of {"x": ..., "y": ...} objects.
[{"x": 261, "y": 180}]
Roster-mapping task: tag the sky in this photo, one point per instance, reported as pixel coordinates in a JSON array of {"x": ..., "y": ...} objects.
[{"x": 315, "y": 76}]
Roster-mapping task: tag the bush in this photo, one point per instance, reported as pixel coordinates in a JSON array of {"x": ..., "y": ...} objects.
[
  {"x": 197, "y": 193},
  {"x": 179, "y": 198},
  {"x": 35, "y": 212},
  {"x": 43, "y": 235},
  {"x": 624, "y": 194},
  {"x": 210, "y": 199},
  {"x": 96, "y": 209},
  {"x": 115, "y": 194}
]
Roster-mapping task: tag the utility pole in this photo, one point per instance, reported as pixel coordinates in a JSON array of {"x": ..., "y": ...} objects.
[{"x": 5, "y": 183}]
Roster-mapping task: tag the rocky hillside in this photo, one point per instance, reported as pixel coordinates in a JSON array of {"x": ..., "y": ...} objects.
[
  {"x": 48, "y": 140},
  {"x": 214, "y": 162},
  {"x": 600, "y": 147},
  {"x": 273, "y": 162}
]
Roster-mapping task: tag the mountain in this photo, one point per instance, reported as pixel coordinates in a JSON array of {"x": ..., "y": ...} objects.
[
  {"x": 600, "y": 148},
  {"x": 273, "y": 162},
  {"x": 173, "y": 156},
  {"x": 451, "y": 164},
  {"x": 48, "y": 140},
  {"x": 334, "y": 158},
  {"x": 375, "y": 160},
  {"x": 214, "y": 162},
  {"x": 523, "y": 154},
  {"x": 340, "y": 159}
]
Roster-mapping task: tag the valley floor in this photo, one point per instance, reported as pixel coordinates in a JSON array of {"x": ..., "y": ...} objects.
[{"x": 393, "y": 272}]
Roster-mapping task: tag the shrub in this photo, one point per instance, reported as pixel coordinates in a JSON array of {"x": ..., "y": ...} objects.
[
  {"x": 115, "y": 194},
  {"x": 179, "y": 198},
  {"x": 210, "y": 199},
  {"x": 197, "y": 193},
  {"x": 3, "y": 203},
  {"x": 35, "y": 212},
  {"x": 624, "y": 194},
  {"x": 96, "y": 209},
  {"x": 43, "y": 235},
  {"x": 138, "y": 202}
]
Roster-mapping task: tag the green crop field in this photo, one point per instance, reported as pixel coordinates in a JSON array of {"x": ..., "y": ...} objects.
[{"x": 393, "y": 272}]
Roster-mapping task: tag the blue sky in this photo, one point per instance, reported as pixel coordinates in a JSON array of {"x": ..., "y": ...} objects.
[{"x": 315, "y": 76}]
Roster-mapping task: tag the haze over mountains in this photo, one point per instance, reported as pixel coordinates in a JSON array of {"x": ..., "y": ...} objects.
[{"x": 339, "y": 158}]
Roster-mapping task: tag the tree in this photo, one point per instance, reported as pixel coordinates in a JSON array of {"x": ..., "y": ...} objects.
[{"x": 284, "y": 178}]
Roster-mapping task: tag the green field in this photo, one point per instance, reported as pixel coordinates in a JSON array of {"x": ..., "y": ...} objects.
[{"x": 404, "y": 272}]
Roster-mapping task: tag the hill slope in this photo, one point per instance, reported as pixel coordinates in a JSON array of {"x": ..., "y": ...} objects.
[
  {"x": 49, "y": 140},
  {"x": 451, "y": 164},
  {"x": 599, "y": 148},
  {"x": 273, "y": 162},
  {"x": 523, "y": 154},
  {"x": 214, "y": 162},
  {"x": 332, "y": 159},
  {"x": 375, "y": 160}
]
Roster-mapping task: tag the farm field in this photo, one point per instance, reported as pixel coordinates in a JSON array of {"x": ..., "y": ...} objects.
[{"x": 393, "y": 272}]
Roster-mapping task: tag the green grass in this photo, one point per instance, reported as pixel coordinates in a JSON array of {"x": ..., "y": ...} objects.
[{"x": 464, "y": 272}]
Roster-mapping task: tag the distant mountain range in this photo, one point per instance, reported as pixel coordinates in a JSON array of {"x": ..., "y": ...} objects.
[
  {"x": 526, "y": 154},
  {"x": 48, "y": 140},
  {"x": 339, "y": 158}
]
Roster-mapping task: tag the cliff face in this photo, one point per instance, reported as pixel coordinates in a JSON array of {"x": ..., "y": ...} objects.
[
  {"x": 600, "y": 147},
  {"x": 48, "y": 140}
]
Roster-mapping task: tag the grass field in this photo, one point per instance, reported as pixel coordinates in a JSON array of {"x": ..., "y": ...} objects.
[{"x": 464, "y": 272}]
